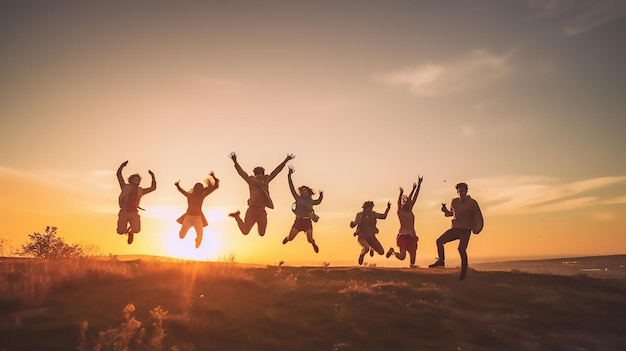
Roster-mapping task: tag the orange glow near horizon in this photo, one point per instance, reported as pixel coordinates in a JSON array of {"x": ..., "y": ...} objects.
[
  {"x": 209, "y": 250},
  {"x": 365, "y": 109}
]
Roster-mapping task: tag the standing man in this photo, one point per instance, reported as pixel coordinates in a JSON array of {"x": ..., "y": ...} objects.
[
  {"x": 259, "y": 196},
  {"x": 128, "y": 220},
  {"x": 467, "y": 218}
]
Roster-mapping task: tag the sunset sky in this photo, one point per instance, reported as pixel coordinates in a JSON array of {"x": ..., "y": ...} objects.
[{"x": 523, "y": 100}]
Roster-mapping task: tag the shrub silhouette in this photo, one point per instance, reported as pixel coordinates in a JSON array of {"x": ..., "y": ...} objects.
[{"x": 49, "y": 245}]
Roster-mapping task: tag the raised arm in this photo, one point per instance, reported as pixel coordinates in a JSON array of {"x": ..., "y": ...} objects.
[
  {"x": 182, "y": 191},
  {"x": 319, "y": 199},
  {"x": 400, "y": 197},
  {"x": 410, "y": 198},
  {"x": 416, "y": 191},
  {"x": 240, "y": 170},
  {"x": 152, "y": 184},
  {"x": 384, "y": 215},
  {"x": 211, "y": 187},
  {"x": 280, "y": 167},
  {"x": 356, "y": 220},
  {"x": 120, "y": 178},
  {"x": 290, "y": 181}
]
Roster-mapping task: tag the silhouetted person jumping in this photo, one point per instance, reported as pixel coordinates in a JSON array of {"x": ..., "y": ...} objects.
[
  {"x": 128, "y": 219},
  {"x": 467, "y": 218},
  {"x": 305, "y": 216},
  {"x": 194, "y": 216},
  {"x": 366, "y": 230},
  {"x": 259, "y": 196},
  {"x": 407, "y": 238}
]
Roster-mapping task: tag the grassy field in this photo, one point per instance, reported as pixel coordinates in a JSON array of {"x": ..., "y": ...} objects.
[{"x": 109, "y": 305}]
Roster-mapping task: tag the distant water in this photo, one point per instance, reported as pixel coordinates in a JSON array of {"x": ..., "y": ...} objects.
[{"x": 613, "y": 266}]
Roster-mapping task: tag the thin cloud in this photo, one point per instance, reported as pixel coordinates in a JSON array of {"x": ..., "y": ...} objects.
[
  {"x": 524, "y": 195},
  {"x": 579, "y": 16},
  {"x": 477, "y": 69},
  {"x": 615, "y": 201},
  {"x": 63, "y": 179},
  {"x": 604, "y": 216}
]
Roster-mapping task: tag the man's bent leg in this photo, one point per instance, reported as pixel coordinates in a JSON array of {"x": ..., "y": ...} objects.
[
  {"x": 135, "y": 223},
  {"x": 446, "y": 237},
  {"x": 261, "y": 221},
  {"x": 246, "y": 224},
  {"x": 122, "y": 223}
]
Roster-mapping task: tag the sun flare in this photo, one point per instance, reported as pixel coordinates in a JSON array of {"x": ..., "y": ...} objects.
[{"x": 209, "y": 250}]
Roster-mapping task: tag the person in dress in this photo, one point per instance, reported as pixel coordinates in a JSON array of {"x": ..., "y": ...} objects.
[{"x": 194, "y": 217}]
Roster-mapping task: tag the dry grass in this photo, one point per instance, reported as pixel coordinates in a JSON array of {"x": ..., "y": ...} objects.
[{"x": 225, "y": 306}]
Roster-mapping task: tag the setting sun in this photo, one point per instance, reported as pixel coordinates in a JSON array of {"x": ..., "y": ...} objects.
[
  {"x": 430, "y": 90},
  {"x": 209, "y": 250},
  {"x": 328, "y": 165}
]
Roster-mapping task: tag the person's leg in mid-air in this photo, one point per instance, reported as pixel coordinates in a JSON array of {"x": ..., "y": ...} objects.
[
  {"x": 122, "y": 223},
  {"x": 309, "y": 238},
  {"x": 365, "y": 248},
  {"x": 135, "y": 227},
  {"x": 249, "y": 220},
  {"x": 197, "y": 225},
  {"x": 186, "y": 225},
  {"x": 260, "y": 218},
  {"x": 376, "y": 246},
  {"x": 401, "y": 243},
  {"x": 412, "y": 255},
  {"x": 292, "y": 234},
  {"x": 411, "y": 248}
]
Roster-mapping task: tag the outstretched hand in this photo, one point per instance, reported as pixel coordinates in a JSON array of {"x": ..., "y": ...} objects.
[
  {"x": 291, "y": 169},
  {"x": 215, "y": 180},
  {"x": 388, "y": 204},
  {"x": 177, "y": 183},
  {"x": 124, "y": 164},
  {"x": 151, "y": 173},
  {"x": 401, "y": 190},
  {"x": 444, "y": 209},
  {"x": 419, "y": 179},
  {"x": 233, "y": 156},
  {"x": 290, "y": 157}
]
